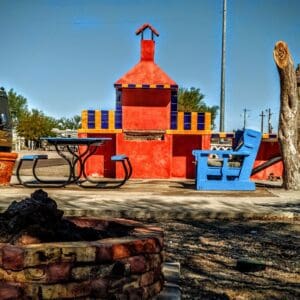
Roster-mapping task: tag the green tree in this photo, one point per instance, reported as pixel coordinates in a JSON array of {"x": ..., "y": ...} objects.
[
  {"x": 33, "y": 125},
  {"x": 69, "y": 123},
  {"x": 17, "y": 106},
  {"x": 192, "y": 100}
]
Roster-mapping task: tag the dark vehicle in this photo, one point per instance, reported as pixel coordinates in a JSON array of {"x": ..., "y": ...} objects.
[{"x": 5, "y": 123}]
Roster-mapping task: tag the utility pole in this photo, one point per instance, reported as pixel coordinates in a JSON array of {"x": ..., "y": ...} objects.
[
  {"x": 262, "y": 115},
  {"x": 269, "y": 120},
  {"x": 222, "y": 96},
  {"x": 245, "y": 116}
]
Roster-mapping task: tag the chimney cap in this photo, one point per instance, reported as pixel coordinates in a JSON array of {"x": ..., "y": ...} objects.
[{"x": 144, "y": 27}]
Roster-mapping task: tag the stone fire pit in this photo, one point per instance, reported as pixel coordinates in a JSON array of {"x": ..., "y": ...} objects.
[{"x": 126, "y": 267}]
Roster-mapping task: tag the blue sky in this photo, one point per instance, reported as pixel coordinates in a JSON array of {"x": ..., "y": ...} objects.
[{"x": 64, "y": 56}]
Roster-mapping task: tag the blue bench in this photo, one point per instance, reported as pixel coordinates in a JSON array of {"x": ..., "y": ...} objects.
[{"x": 230, "y": 169}]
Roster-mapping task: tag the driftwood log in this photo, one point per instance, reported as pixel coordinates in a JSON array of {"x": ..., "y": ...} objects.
[{"x": 288, "y": 132}]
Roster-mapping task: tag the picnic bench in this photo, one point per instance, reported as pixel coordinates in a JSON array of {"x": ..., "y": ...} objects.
[
  {"x": 229, "y": 169},
  {"x": 68, "y": 149}
]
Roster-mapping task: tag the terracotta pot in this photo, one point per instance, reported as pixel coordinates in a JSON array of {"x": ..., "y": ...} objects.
[{"x": 7, "y": 162}]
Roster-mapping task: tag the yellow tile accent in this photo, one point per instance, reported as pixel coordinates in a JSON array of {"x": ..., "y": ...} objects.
[
  {"x": 138, "y": 85},
  {"x": 188, "y": 132},
  {"x": 180, "y": 120},
  {"x": 152, "y": 86},
  {"x": 222, "y": 134},
  {"x": 99, "y": 131},
  {"x": 124, "y": 85},
  {"x": 97, "y": 119},
  {"x": 207, "y": 119},
  {"x": 84, "y": 119},
  {"x": 166, "y": 86},
  {"x": 194, "y": 116},
  {"x": 111, "y": 119},
  {"x": 265, "y": 136}
]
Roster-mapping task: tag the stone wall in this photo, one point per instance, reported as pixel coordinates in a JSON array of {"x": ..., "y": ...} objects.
[{"x": 113, "y": 268}]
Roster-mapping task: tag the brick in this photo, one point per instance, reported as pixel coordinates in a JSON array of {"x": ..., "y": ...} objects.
[
  {"x": 88, "y": 222},
  {"x": 58, "y": 272},
  {"x": 91, "y": 272},
  {"x": 117, "y": 284},
  {"x": 51, "y": 253},
  {"x": 155, "y": 288},
  {"x": 34, "y": 274},
  {"x": 39, "y": 254},
  {"x": 58, "y": 291},
  {"x": 45, "y": 270},
  {"x": 9, "y": 292},
  {"x": 12, "y": 257},
  {"x": 81, "y": 251},
  {"x": 131, "y": 285},
  {"x": 152, "y": 245},
  {"x": 153, "y": 261},
  {"x": 118, "y": 297},
  {"x": 121, "y": 251},
  {"x": 147, "y": 278},
  {"x": 135, "y": 294},
  {"x": 104, "y": 253},
  {"x": 99, "y": 288},
  {"x": 146, "y": 294},
  {"x": 146, "y": 245},
  {"x": 137, "y": 264},
  {"x": 150, "y": 232}
]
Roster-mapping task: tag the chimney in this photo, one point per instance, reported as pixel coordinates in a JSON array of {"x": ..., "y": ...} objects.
[
  {"x": 147, "y": 46},
  {"x": 147, "y": 50}
]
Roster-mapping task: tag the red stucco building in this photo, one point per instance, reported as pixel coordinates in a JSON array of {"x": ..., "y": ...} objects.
[
  {"x": 147, "y": 127},
  {"x": 145, "y": 124}
]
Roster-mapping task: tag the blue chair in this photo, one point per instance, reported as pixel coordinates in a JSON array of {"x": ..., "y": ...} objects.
[{"x": 230, "y": 169}]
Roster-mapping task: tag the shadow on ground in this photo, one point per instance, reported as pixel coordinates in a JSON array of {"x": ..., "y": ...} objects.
[
  {"x": 286, "y": 207},
  {"x": 209, "y": 250},
  {"x": 207, "y": 245}
]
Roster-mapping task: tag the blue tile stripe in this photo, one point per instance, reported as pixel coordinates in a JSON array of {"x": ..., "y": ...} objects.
[
  {"x": 147, "y": 86},
  {"x": 201, "y": 121},
  {"x": 118, "y": 112},
  {"x": 104, "y": 119},
  {"x": 174, "y": 100},
  {"x": 174, "y": 105},
  {"x": 118, "y": 119},
  {"x": 173, "y": 120},
  {"x": 187, "y": 120},
  {"x": 91, "y": 119}
]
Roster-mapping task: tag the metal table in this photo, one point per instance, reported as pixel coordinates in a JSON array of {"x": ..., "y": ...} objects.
[{"x": 75, "y": 159}]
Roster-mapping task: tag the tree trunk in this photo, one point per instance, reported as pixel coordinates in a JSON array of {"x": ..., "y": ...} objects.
[
  {"x": 288, "y": 132},
  {"x": 298, "y": 87}
]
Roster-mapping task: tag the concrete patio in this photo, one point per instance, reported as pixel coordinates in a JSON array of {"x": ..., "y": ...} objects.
[{"x": 161, "y": 199}]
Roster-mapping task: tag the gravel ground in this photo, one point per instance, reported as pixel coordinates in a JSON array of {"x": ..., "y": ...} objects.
[{"x": 208, "y": 252}]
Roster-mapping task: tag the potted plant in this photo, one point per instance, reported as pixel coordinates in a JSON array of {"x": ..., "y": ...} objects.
[{"x": 7, "y": 158}]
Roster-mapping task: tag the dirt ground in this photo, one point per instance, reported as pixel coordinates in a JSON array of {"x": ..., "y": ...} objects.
[{"x": 208, "y": 252}]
